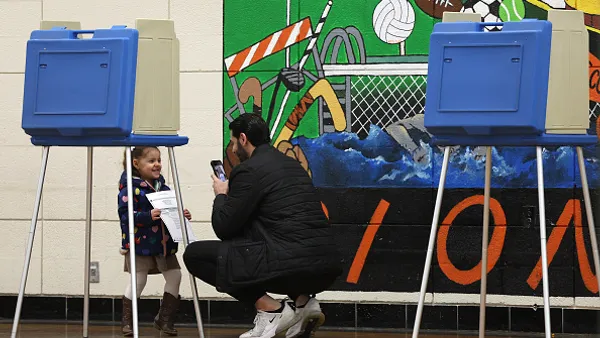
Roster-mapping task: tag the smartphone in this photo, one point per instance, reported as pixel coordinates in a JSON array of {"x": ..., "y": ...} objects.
[{"x": 218, "y": 169}]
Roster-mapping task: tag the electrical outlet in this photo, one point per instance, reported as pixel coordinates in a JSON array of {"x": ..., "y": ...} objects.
[{"x": 94, "y": 272}]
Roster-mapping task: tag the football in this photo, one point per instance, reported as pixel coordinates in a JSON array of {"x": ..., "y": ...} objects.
[{"x": 436, "y": 8}]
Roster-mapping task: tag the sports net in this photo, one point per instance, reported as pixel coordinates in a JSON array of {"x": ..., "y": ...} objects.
[
  {"x": 381, "y": 93},
  {"x": 594, "y": 110},
  {"x": 382, "y": 99}
]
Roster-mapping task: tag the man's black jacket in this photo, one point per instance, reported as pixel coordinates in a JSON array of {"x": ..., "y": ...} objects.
[{"x": 271, "y": 223}]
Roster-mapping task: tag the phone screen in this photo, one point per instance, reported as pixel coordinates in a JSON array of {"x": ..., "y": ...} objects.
[{"x": 219, "y": 170}]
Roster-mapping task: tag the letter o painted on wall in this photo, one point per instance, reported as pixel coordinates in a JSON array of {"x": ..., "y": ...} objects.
[{"x": 466, "y": 277}]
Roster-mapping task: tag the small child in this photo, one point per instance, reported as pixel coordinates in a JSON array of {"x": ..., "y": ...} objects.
[{"x": 154, "y": 248}]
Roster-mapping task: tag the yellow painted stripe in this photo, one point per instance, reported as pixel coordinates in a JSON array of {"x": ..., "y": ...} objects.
[{"x": 544, "y": 6}]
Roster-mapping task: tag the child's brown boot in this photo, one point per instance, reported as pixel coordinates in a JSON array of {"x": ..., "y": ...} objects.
[
  {"x": 127, "y": 318},
  {"x": 165, "y": 319}
]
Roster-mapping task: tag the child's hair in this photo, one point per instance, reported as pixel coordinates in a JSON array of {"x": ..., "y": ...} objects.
[{"x": 136, "y": 153}]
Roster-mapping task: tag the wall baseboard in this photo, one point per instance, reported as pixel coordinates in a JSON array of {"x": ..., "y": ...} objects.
[{"x": 359, "y": 316}]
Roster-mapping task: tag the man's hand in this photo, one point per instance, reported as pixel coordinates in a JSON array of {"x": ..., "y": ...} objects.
[
  {"x": 187, "y": 214},
  {"x": 155, "y": 214},
  {"x": 219, "y": 186}
]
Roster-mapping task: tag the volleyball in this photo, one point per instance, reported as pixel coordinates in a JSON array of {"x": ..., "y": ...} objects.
[{"x": 393, "y": 20}]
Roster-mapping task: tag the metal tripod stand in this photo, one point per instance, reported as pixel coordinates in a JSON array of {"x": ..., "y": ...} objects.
[
  {"x": 486, "y": 223},
  {"x": 88, "y": 240}
]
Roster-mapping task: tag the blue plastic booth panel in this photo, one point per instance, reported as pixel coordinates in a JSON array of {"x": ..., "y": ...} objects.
[
  {"x": 515, "y": 140},
  {"x": 80, "y": 86},
  {"x": 103, "y": 141},
  {"x": 488, "y": 83}
]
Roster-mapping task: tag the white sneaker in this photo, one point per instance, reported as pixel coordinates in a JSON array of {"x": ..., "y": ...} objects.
[
  {"x": 267, "y": 325},
  {"x": 311, "y": 318}
]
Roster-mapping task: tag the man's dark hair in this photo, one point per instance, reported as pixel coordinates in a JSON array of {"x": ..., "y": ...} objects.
[{"x": 253, "y": 126}]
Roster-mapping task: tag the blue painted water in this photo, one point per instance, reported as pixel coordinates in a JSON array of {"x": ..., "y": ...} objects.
[{"x": 344, "y": 160}]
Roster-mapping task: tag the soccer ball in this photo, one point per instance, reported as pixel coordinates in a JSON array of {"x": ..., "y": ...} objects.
[{"x": 489, "y": 10}]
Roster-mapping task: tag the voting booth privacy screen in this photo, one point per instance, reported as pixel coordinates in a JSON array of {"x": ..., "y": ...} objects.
[
  {"x": 488, "y": 82},
  {"x": 77, "y": 87},
  {"x": 114, "y": 86}
]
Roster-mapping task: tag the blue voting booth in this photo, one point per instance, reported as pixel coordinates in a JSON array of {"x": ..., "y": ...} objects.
[
  {"x": 492, "y": 88},
  {"x": 80, "y": 92}
]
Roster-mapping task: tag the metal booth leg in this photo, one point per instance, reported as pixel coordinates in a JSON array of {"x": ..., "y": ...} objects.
[
  {"x": 431, "y": 245},
  {"x": 589, "y": 214},
  {"x": 88, "y": 240},
  {"x": 484, "y": 240},
  {"x": 184, "y": 232},
  {"x": 542, "y": 206},
  {"x": 34, "y": 218},
  {"x": 132, "y": 269}
]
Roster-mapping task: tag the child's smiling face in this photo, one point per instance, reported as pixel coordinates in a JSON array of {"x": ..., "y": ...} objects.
[{"x": 149, "y": 165}]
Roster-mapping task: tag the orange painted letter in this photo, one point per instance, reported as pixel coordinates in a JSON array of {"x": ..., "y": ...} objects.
[
  {"x": 367, "y": 240},
  {"x": 554, "y": 241},
  {"x": 572, "y": 210},
  {"x": 466, "y": 277}
]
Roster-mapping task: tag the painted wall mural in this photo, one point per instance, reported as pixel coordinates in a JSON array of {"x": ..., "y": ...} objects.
[{"x": 343, "y": 85}]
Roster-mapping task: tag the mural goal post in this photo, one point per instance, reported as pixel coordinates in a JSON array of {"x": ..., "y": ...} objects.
[{"x": 382, "y": 91}]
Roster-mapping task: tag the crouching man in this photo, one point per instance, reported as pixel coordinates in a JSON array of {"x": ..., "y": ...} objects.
[{"x": 274, "y": 237}]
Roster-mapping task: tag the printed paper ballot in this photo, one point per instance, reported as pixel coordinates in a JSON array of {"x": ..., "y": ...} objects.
[{"x": 166, "y": 202}]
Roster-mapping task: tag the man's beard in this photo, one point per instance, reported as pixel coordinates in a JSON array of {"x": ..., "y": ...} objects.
[{"x": 241, "y": 152}]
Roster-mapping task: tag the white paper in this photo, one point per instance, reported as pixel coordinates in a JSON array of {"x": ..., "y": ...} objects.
[{"x": 166, "y": 202}]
